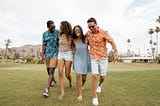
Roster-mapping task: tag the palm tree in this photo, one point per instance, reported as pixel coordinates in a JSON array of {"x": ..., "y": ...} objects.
[
  {"x": 128, "y": 40},
  {"x": 151, "y": 31},
  {"x": 129, "y": 47},
  {"x": 10, "y": 52},
  {"x": 7, "y": 44},
  {"x": 155, "y": 43},
  {"x": 150, "y": 42},
  {"x": 153, "y": 51},
  {"x": 157, "y": 30},
  {"x": 14, "y": 52},
  {"x": 158, "y": 20}
]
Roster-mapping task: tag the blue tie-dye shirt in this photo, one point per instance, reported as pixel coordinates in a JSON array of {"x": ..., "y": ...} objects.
[{"x": 51, "y": 42}]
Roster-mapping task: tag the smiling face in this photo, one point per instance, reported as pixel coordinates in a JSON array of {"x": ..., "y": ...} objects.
[
  {"x": 92, "y": 27},
  {"x": 51, "y": 27},
  {"x": 77, "y": 31}
]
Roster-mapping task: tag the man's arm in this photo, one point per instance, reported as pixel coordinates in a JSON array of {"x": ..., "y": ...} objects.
[
  {"x": 87, "y": 38},
  {"x": 114, "y": 47},
  {"x": 43, "y": 51},
  {"x": 113, "y": 44}
]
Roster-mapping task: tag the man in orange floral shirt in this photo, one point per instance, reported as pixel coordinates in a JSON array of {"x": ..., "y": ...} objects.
[{"x": 98, "y": 39}]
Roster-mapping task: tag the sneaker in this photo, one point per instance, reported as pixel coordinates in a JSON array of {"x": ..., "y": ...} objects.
[
  {"x": 54, "y": 83},
  {"x": 46, "y": 92},
  {"x": 61, "y": 96},
  {"x": 95, "y": 101},
  {"x": 98, "y": 90}
]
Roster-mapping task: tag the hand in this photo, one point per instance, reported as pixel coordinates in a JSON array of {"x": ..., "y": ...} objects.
[
  {"x": 42, "y": 57},
  {"x": 115, "y": 56}
]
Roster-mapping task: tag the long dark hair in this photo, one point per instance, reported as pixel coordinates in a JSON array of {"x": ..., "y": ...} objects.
[
  {"x": 74, "y": 36},
  {"x": 66, "y": 29}
]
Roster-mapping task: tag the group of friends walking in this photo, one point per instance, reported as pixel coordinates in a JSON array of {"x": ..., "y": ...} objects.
[{"x": 87, "y": 52}]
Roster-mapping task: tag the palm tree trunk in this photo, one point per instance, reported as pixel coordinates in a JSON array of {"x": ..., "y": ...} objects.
[
  {"x": 6, "y": 52},
  {"x": 157, "y": 44}
]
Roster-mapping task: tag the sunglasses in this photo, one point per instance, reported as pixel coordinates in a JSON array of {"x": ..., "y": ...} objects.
[{"x": 77, "y": 30}]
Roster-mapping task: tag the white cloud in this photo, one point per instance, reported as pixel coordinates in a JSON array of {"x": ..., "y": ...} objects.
[{"x": 24, "y": 21}]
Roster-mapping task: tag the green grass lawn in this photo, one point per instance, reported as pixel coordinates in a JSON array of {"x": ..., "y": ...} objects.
[{"x": 125, "y": 85}]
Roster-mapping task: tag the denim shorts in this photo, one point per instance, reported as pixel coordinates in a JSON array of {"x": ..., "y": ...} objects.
[
  {"x": 66, "y": 55},
  {"x": 99, "y": 67}
]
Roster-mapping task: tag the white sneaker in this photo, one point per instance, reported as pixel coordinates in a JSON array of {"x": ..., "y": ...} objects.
[
  {"x": 98, "y": 90},
  {"x": 46, "y": 92},
  {"x": 95, "y": 101},
  {"x": 53, "y": 84}
]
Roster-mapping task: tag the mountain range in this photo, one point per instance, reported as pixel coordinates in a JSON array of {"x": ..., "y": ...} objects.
[{"x": 25, "y": 50}]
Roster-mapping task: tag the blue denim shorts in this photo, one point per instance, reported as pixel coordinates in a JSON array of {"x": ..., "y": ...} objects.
[{"x": 99, "y": 67}]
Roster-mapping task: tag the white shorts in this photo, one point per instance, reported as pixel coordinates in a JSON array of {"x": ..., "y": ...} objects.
[
  {"x": 99, "y": 66},
  {"x": 67, "y": 55}
]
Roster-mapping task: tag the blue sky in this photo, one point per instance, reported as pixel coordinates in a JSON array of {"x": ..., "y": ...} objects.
[{"x": 24, "y": 21}]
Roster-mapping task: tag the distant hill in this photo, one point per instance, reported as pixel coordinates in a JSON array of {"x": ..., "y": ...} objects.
[{"x": 26, "y": 50}]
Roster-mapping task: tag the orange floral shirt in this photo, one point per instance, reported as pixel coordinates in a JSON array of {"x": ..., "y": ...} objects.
[{"x": 97, "y": 43}]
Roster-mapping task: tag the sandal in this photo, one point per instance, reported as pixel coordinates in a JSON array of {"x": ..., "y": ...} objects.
[{"x": 79, "y": 98}]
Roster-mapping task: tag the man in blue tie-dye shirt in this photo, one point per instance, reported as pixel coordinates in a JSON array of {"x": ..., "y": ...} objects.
[{"x": 50, "y": 52}]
